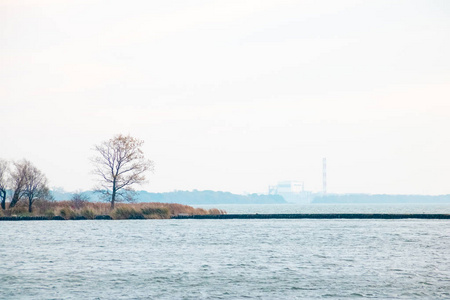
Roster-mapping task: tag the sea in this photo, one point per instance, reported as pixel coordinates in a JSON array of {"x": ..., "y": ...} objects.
[{"x": 231, "y": 259}]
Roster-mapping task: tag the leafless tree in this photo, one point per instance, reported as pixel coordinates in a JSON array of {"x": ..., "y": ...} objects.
[
  {"x": 119, "y": 164},
  {"x": 18, "y": 177},
  {"x": 79, "y": 199},
  {"x": 27, "y": 181},
  {"x": 36, "y": 186},
  {"x": 3, "y": 182}
]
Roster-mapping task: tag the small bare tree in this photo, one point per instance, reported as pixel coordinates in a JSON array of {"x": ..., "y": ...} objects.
[
  {"x": 3, "y": 182},
  {"x": 36, "y": 186},
  {"x": 119, "y": 164},
  {"x": 18, "y": 177},
  {"x": 79, "y": 199}
]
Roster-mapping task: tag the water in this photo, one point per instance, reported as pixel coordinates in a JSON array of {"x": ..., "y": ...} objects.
[
  {"x": 400, "y": 208},
  {"x": 225, "y": 259}
]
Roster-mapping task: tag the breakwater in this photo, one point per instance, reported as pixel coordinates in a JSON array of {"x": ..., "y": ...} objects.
[
  {"x": 253, "y": 216},
  {"x": 54, "y": 218},
  {"x": 316, "y": 216}
]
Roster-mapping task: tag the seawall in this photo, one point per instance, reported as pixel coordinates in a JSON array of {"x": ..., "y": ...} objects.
[
  {"x": 256, "y": 216},
  {"x": 55, "y": 218},
  {"x": 317, "y": 216}
]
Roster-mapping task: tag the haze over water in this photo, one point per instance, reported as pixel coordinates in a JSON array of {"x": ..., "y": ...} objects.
[
  {"x": 232, "y": 95},
  {"x": 225, "y": 259}
]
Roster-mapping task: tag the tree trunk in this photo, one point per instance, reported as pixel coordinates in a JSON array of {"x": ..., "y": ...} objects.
[
  {"x": 14, "y": 199},
  {"x": 3, "y": 196},
  {"x": 30, "y": 203},
  {"x": 113, "y": 198}
]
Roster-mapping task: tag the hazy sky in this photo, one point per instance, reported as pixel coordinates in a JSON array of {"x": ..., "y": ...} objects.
[{"x": 232, "y": 95}]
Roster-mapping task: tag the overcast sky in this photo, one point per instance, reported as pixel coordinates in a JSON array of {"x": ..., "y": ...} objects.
[{"x": 232, "y": 95}]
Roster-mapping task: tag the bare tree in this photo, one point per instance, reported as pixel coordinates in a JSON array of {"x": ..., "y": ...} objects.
[
  {"x": 3, "y": 182},
  {"x": 119, "y": 164},
  {"x": 79, "y": 199},
  {"x": 36, "y": 186},
  {"x": 17, "y": 180},
  {"x": 28, "y": 181}
]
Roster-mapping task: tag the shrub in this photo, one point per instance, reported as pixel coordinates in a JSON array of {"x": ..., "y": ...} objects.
[
  {"x": 49, "y": 213},
  {"x": 79, "y": 200},
  {"x": 21, "y": 210},
  {"x": 127, "y": 213},
  {"x": 67, "y": 213},
  {"x": 88, "y": 213},
  {"x": 156, "y": 213},
  {"x": 42, "y": 206},
  {"x": 215, "y": 211}
]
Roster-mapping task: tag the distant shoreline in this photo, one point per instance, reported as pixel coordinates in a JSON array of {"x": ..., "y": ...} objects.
[{"x": 208, "y": 197}]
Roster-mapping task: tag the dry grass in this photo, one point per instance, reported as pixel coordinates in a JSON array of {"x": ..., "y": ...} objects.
[{"x": 71, "y": 210}]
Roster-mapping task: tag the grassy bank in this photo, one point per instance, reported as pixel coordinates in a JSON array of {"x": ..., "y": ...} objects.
[{"x": 70, "y": 210}]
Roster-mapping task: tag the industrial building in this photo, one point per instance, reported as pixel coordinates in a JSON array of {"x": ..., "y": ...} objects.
[{"x": 292, "y": 192}]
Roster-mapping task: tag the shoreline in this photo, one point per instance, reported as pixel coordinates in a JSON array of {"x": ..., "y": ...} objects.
[{"x": 248, "y": 216}]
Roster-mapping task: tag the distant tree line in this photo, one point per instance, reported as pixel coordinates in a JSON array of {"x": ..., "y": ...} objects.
[
  {"x": 24, "y": 181},
  {"x": 182, "y": 197},
  {"x": 209, "y": 197}
]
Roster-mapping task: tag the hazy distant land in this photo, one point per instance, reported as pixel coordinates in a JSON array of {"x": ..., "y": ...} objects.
[
  {"x": 186, "y": 197},
  {"x": 214, "y": 197}
]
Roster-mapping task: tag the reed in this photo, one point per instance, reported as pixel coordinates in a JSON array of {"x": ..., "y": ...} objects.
[
  {"x": 67, "y": 213},
  {"x": 70, "y": 210},
  {"x": 124, "y": 212},
  {"x": 87, "y": 213},
  {"x": 156, "y": 213},
  {"x": 19, "y": 210},
  {"x": 215, "y": 211}
]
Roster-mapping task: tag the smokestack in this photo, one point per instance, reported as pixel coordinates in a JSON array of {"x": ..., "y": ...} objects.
[{"x": 324, "y": 174}]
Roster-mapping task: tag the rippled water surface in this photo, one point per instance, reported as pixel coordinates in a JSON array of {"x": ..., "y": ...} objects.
[
  {"x": 394, "y": 208},
  {"x": 225, "y": 259}
]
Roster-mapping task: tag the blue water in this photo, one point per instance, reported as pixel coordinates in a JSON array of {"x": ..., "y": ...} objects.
[{"x": 225, "y": 259}]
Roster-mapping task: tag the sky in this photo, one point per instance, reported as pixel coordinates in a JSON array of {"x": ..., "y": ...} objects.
[{"x": 232, "y": 95}]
